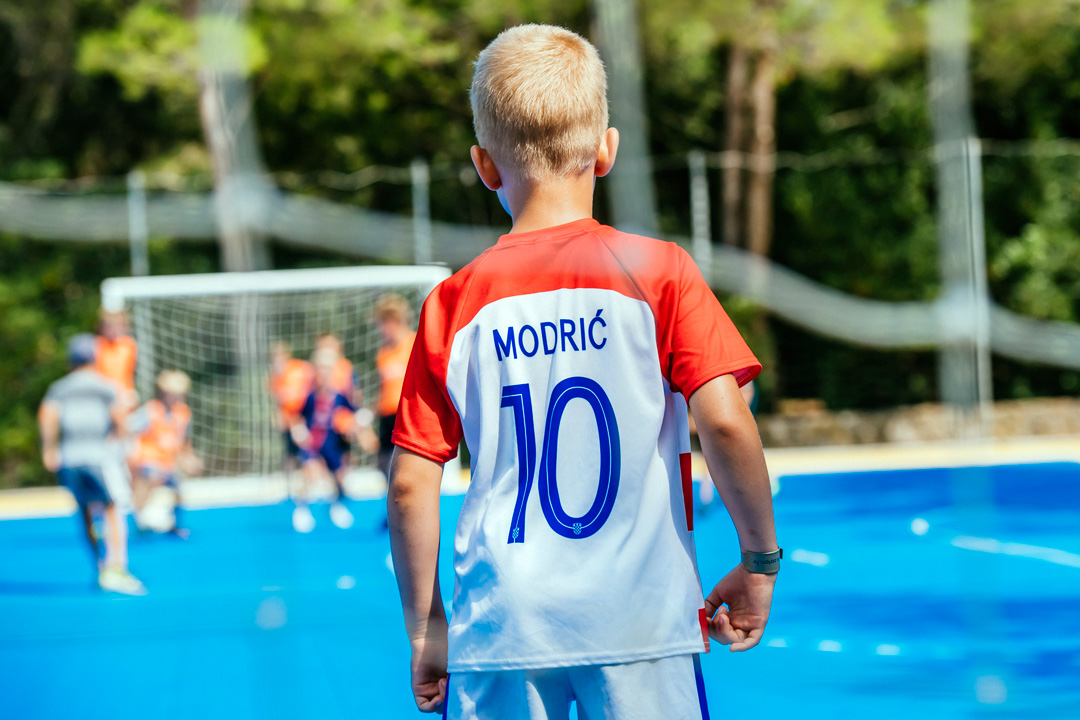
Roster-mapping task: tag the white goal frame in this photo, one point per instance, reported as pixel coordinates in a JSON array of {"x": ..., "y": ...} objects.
[{"x": 118, "y": 294}]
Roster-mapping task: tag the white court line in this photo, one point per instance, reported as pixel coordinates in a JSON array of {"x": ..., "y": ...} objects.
[
  {"x": 835, "y": 646},
  {"x": 809, "y": 557},
  {"x": 1035, "y": 552}
]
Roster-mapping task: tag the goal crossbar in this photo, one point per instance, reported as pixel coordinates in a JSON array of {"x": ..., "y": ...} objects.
[{"x": 116, "y": 291}]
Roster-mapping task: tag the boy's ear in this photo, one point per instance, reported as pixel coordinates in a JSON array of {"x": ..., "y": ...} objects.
[
  {"x": 605, "y": 156},
  {"x": 485, "y": 168}
]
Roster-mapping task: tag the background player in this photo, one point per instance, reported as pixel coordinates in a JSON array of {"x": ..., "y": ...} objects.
[
  {"x": 163, "y": 446},
  {"x": 570, "y": 350},
  {"x": 291, "y": 381},
  {"x": 117, "y": 353},
  {"x": 393, "y": 318},
  {"x": 78, "y": 415},
  {"x": 343, "y": 378},
  {"x": 322, "y": 433}
]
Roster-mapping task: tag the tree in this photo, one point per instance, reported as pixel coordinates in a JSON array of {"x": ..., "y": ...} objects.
[{"x": 769, "y": 42}]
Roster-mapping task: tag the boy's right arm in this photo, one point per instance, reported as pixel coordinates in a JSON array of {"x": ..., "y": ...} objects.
[
  {"x": 733, "y": 453},
  {"x": 49, "y": 429}
]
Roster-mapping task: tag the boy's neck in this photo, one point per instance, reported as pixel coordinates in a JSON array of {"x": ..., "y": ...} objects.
[{"x": 543, "y": 204}]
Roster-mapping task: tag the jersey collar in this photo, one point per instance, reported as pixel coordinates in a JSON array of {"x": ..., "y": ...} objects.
[{"x": 576, "y": 227}]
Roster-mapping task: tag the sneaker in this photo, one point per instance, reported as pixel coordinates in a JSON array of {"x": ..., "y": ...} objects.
[
  {"x": 340, "y": 516},
  {"x": 120, "y": 581},
  {"x": 302, "y": 520}
]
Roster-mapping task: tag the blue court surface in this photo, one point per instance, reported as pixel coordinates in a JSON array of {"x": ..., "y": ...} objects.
[{"x": 906, "y": 594}]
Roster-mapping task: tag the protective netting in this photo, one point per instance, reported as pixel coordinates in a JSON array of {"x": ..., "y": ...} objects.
[{"x": 219, "y": 330}]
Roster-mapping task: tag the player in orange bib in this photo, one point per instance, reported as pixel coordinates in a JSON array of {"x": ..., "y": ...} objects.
[
  {"x": 163, "y": 444},
  {"x": 291, "y": 380},
  {"x": 343, "y": 376},
  {"x": 393, "y": 318},
  {"x": 116, "y": 354}
]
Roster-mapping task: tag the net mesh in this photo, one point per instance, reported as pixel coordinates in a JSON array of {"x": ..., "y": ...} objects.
[{"x": 222, "y": 341}]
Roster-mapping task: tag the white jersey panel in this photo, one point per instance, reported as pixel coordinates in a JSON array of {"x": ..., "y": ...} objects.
[{"x": 572, "y": 547}]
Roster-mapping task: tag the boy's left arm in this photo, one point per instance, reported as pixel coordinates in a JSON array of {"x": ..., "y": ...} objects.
[{"x": 412, "y": 509}]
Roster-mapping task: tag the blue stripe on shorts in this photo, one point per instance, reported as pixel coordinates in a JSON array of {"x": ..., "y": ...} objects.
[{"x": 700, "y": 688}]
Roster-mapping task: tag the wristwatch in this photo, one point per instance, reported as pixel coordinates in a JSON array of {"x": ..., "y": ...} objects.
[{"x": 762, "y": 563}]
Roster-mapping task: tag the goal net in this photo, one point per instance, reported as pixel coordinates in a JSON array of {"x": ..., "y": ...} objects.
[{"x": 219, "y": 329}]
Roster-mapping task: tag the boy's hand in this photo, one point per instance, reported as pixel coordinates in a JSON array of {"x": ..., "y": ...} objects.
[
  {"x": 429, "y": 667},
  {"x": 748, "y": 597},
  {"x": 191, "y": 464},
  {"x": 299, "y": 434}
]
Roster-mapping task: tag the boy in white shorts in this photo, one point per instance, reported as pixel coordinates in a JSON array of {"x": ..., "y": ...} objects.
[{"x": 565, "y": 356}]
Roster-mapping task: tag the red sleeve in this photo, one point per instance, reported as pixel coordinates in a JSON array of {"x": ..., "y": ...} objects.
[
  {"x": 698, "y": 341},
  {"x": 427, "y": 422}
]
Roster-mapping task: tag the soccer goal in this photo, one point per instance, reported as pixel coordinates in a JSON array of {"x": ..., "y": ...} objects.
[{"x": 219, "y": 329}]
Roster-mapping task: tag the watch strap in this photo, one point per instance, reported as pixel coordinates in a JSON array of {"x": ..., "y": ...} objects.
[{"x": 763, "y": 563}]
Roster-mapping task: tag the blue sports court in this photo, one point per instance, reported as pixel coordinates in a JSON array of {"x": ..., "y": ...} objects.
[{"x": 940, "y": 593}]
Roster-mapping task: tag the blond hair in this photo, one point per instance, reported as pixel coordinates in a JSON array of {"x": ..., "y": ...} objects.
[
  {"x": 539, "y": 101},
  {"x": 174, "y": 382},
  {"x": 330, "y": 341},
  {"x": 104, "y": 314},
  {"x": 392, "y": 307}
]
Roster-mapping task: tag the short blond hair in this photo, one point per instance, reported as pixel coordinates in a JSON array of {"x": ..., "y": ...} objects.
[
  {"x": 539, "y": 101},
  {"x": 175, "y": 382},
  {"x": 392, "y": 306}
]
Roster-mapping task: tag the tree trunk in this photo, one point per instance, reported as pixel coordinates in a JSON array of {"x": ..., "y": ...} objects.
[
  {"x": 241, "y": 248},
  {"x": 762, "y": 153},
  {"x": 734, "y": 142},
  {"x": 228, "y": 126}
]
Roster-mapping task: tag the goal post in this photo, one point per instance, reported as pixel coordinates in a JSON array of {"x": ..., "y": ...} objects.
[{"x": 219, "y": 328}]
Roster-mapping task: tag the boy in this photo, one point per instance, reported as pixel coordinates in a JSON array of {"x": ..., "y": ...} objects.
[
  {"x": 163, "y": 444},
  {"x": 291, "y": 380},
  {"x": 565, "y": 355},
  {"x": 392, "y": 318},
  {"x": 322, "y": 433},
  {"x": 80, "y": 412},
  {"x": 117, "y": 353}
]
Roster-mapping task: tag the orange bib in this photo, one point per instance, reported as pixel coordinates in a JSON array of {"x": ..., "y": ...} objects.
[
  {"x": 292, "y": 386},
  {"x": 392, "y": 363},
  {"x": 164, "y": 438},
  {"x": 116, "y": 360}
]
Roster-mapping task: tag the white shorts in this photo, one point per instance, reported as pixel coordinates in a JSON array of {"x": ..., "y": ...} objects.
[
  {"x": 114, "y": 471},
  {"x": 669, "y": 688}
]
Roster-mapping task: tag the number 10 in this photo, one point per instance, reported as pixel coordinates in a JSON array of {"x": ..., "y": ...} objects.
[{"x": 519, "y": 398}]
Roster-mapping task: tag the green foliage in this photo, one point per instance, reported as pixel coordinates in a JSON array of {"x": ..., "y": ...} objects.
[
  {"x": 98, "y": 87},
  {"x": 151, "y": 49},
  {"x": 1037, "y": 273}
]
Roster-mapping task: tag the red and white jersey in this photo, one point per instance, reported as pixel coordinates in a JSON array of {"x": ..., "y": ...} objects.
[{"x": 563, "y": 356}]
